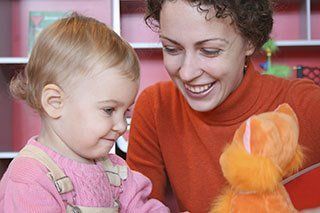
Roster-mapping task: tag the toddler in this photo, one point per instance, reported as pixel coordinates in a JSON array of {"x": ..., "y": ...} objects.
[{"x": 81, "y": 78}]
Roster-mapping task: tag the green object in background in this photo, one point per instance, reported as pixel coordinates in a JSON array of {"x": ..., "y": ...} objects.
[
  {"x": 270, "y": 47},
  {"x": 282, "y": 71},
  {"x": 279, "y": 70}
]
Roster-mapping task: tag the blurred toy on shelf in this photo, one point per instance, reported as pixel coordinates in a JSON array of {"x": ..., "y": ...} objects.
[
  {"x": 282, "y": 71},
  {"x": 312, "y": 73},
  {"x": 38, "y": 20}
]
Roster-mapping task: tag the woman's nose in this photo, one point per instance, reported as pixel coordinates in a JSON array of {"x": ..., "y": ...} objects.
[{"x": 190, "y": 68}]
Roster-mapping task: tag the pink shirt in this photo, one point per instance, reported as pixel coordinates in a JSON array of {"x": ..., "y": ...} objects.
[{"x": 25, "y": 186}]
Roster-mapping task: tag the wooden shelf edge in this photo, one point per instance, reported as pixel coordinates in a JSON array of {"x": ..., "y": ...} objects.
[
  {"x": 295, "y": 43},
  {"x": 13, "y": 60},
  {"x": 8, "y": 155},
  {"x": 146, "y": 45},
  {"x": 155, "y": 45}
]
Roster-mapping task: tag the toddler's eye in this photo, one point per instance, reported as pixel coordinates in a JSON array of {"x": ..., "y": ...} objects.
[{"x": 109, "y": 110}]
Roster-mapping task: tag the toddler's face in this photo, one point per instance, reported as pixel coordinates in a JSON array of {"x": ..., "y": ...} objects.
[{"x": 94, "y": 113}]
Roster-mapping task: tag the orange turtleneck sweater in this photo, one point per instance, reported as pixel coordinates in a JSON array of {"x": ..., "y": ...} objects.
[{"x": 170, "y": 142}]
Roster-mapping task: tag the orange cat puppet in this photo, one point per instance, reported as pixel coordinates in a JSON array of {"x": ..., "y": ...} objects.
[{"x": 264, "y": 150}]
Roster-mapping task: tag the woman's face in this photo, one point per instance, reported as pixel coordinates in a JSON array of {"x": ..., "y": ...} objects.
[{"x": 205, "y": 58}]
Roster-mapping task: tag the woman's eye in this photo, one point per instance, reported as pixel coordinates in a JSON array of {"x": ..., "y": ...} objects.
[
  {"x": 171, "y": 50},
  {"x": 109, "y": 110},
  {"x": 210, "y": 52}
]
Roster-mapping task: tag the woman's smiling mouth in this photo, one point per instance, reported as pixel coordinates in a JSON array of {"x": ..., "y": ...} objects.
[{"x": 198, "y": 91}]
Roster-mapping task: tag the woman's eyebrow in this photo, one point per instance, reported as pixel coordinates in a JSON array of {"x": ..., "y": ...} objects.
[
  {"x": 166, "y": 38},
  {"x": 213, "y": 39},
  {"x": 198, "y": 42}
]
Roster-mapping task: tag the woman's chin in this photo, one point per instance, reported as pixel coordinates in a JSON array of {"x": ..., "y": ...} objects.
[
  {"x": 205, "y": 104},
  {"x": 201, "y": 106}
]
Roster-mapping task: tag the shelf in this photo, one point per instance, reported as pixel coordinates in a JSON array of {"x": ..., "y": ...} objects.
[
  {"x": 8, "y": 155},
  {"x": 24, "y": 60},
  {"x": 154, "y": 45},
  {"x": 142, "y": 45},
  {"x": 13, "y": 60},
  {"x": 293, "y": 43},
  {"x": 282, "y": 43}
]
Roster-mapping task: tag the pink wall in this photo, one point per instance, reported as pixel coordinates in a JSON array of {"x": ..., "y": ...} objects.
[
  {"x": 289, "y": 21},
  {"x": 133, "y": 27},
  {"x": 6, "y": 26},
  {"x": 5, "y": 114},
  {"x": 315, "y": 19},
  {"x": 25, "y": 123},
  {"x": 152, "y": 69}
]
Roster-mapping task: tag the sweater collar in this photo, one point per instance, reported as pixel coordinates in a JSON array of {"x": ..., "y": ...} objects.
[{"x": 239, "y": 105}]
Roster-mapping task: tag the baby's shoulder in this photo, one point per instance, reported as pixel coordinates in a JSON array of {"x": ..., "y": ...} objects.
[{"x": 26, "y": 170}]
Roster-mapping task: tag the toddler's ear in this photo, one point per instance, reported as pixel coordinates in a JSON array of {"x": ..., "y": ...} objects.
[
  {"x": 286, "y": 109},
  {"x": 52, "y": 100}
]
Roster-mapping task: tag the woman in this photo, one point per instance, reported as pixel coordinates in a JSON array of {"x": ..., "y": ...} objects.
[{"x": 179, "y": 128}]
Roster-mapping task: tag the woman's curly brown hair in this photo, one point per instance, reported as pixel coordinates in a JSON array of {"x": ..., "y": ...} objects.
[{"x": 253, "y": 18}]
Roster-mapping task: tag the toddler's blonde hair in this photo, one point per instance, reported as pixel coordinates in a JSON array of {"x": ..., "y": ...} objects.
[{"x": 71, "y": 46}]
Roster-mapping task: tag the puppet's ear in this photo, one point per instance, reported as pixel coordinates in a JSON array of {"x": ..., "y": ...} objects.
[
  {"x": 247, "y": 136},
  {"x": 286, "y": 109}
]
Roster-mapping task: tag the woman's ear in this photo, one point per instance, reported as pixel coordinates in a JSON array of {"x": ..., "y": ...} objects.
[
  {"x": 52, "y": 98},
  {"x": 250, "y": 48}
]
